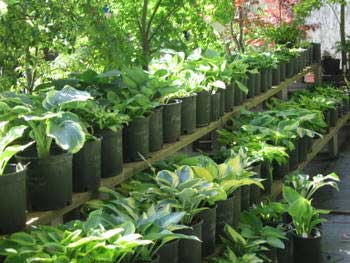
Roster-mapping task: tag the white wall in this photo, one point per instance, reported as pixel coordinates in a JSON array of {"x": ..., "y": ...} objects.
[{"x": 328, "y": 32}]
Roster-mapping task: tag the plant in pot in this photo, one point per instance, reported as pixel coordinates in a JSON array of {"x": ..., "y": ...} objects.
[
  {"x": 306, "y": 221},
  {"x": 12, "y": 180},
  {"x": 49, "y": 187},
  {"x": 239, "y": 70}
]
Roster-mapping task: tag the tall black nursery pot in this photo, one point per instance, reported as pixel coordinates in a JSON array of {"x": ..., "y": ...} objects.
[
  {"x": 307, "y": 250},
  {"x": 257, "y": 84},
  {"x": 156, "y": 130},
  {"x": 251, "y": 82},
  {"x": 111, "y": 152},
  {"x": 224, "y": 215},
  {"x": 280, "y": 170},
  {"x": 290, "y": 68},
  {"x": 222, "y": 101},
  {"x": 238, "y": 95},
  {"x": 136, "y": 139},
  {"x": 333, "y": 117},
  {"x": 13, "y": 200},
  {"x": 188, "y": 114},
  {"x": 316, "y": 47},
  {"x": 303, "y": 149},
  {"x": 229, "y": 97},
  {"x": 87, "y": 167},
  {"x": 203, "y": 108},
  {"x": 245, "y": 197},
  {"x": 286, "y": 255},
  {"x": 172, "y": 121},
  {"x": 276, "y": 75},
  {"x": 255, "y": 191},
  {"x": 190, "y": 251},
  {"x": 169, "y": 253},
  {"x": 215, "y": 106},
  {"x": 208, "y": 231},
  {"x": 327, "y": 118},
  {"x": 264, "y": 79},
  {"x": 49, "y": 180},
  {"x": 294, "y": 158},
  {"x": 267, "y": 183},
  {"x": 283, "y": 69},
  {"x": 237, "y": 203},
  {"x": 269, "y": 78}
]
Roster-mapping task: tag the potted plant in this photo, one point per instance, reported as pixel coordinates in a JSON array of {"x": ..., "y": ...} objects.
[
  {"x": 47, "y": 122},
  {"x": 12, "y": 181}
]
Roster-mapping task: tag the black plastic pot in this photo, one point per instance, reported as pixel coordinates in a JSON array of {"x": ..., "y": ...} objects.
[
  {"x": 295, "y": 65},
  {"x": 190, "y": 251},
  {"x": 257, "y": 84},
  {"x": 203, "y": 108},
  {"x": 229, "y": 98},
  {"x": 154, "y": 260},
  {"x": 244, "y": 95},
  {"x": 189, "y": 114},
  {"x": 208, "y": 231},
  {"x": 172, "y": 121},
  {"x": 307, "y": 250},
  {"x": 13, "y": 200},
  {"x": 327, "y": 118},
  {"x": 236, "y": 207},
  {"x": 309, "y": 143},
  {"x": 238, "y": 95},
  {"x": 333, "y": 117},
  {"x": 286, "y": 255},
  {"x": 290, "y": 69},
  {"x": 215, "y": 106},
  {"x": 346, "y": 105},
  {"x": 280, "y": 170},
  {"x": 222, "y": 102},
  {"x": 340, "y": 111},
  {"x": 269, "y": 78},
  {"x": 294, "y": 158},
  {"x": 169, "y": 253},
  {"x": 224, "y": 215},
  {"x": 303, "y": 149},
  {"x": 251, "y": 85},
  {"x": 136, "y": 140},
  {"x": 283, "y": 68},
  {"x": 267, "y": 183},
  {"x": 156, "y": 130},
  {"x": 111, "y": 152},
  {"x": 49, "y": 180},
  {"x": 311, "y": 56},
  {"x": 264, "y": 80},
  {"x": 87, "y": 167},
  {"x": 276, "y": 75},
  {"x": 245, "y": 197},
  {"x": 316, "y": 52},
  {"x": 271, "y": 254},
  {"x": 255, "y": 191}
]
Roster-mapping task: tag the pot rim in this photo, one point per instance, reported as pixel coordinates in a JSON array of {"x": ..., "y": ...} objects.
[
  {"x": 51, "y": 156},
  {"x": 15, "y": 172},
  {"x": 172, "y": 102}
]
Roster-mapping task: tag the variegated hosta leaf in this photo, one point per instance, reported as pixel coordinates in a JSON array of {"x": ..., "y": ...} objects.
[
  {"x": 66, "y": 95},
  {"x": 67, "y": 132},
  {"x": 167, "y": 178}
]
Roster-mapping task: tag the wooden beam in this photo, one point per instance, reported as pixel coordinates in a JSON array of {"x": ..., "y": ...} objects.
[{"x": 35, "y": 217}]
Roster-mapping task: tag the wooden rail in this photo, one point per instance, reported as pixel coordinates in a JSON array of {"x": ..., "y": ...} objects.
[{"x": 55, "y": 216}]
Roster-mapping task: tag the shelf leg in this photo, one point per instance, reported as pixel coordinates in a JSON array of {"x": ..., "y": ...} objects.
[{"x": 333, "y": 147}]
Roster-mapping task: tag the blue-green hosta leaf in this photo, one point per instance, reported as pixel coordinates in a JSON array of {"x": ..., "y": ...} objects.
[
  {"x": 184, "y": 173},
  {"x": 167, "y": 178},
  {"x": 67, "y": 132},
  {"x": 45, "y": 116},
  {"x": 66, "y": 95},
  {"x": 171, "y": 219}
]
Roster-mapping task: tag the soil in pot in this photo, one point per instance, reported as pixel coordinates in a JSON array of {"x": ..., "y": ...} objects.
[
  {"x": 255, "y": 191},
  {"x": 307, "y": 250},
  {"x": 245, "y": 197},
  {"x": 172, "y": 121},
  {"x": 303, "y": 149},
  {"x": 13, "y": 200},
  {"x": 156, "y": 130},
  {"x": 203, "y": 108},
  {"x": 237, "y": 201},
  {"x": 208, "y": 231},
  {"x": 251, "y": 85},
  {"x": 111, "y": 152},
  {"x": 49, "y": 180},
  {"x": 333, "y": 117},
  {"x": 169, "y": 253},
  {"x": 87, "y": 167},
  {"x": 229, "y": 98},
  {"x": 224, "y": 215},
  {"x": 188, "y": 114},
  {"x": 190, "y": 251},
  {"x": 276, "y": 75},
  {"x": 215, "y": 106},
  {"x": 136, "y": 139}
]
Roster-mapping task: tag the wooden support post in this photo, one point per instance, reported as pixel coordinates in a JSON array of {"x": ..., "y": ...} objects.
[{"x": 333, "y": 146}]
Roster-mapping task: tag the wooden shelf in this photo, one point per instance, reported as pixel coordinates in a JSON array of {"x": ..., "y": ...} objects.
[
  {"x": 316, "y": 148},
  {"x": 55, "y": 216}
]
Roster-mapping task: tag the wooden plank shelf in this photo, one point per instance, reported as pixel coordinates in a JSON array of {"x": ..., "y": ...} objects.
[
  {"x": 316, "y": 149},
  {"x": 55, "y": 216}
]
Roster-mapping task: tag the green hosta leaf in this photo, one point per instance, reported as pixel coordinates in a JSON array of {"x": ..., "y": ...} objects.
[
  {"x": 242, "y": 87},
  {"x": 66, "y": 95},
  {"x": 67, "y": 132},
  {"x": 22, "y": 239},
  {"x": 275, "y": 242},
  {"x": 168, "y": 178},
  {"x": 184, "y": 173},
  {"x": 202, "y": 173}
]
